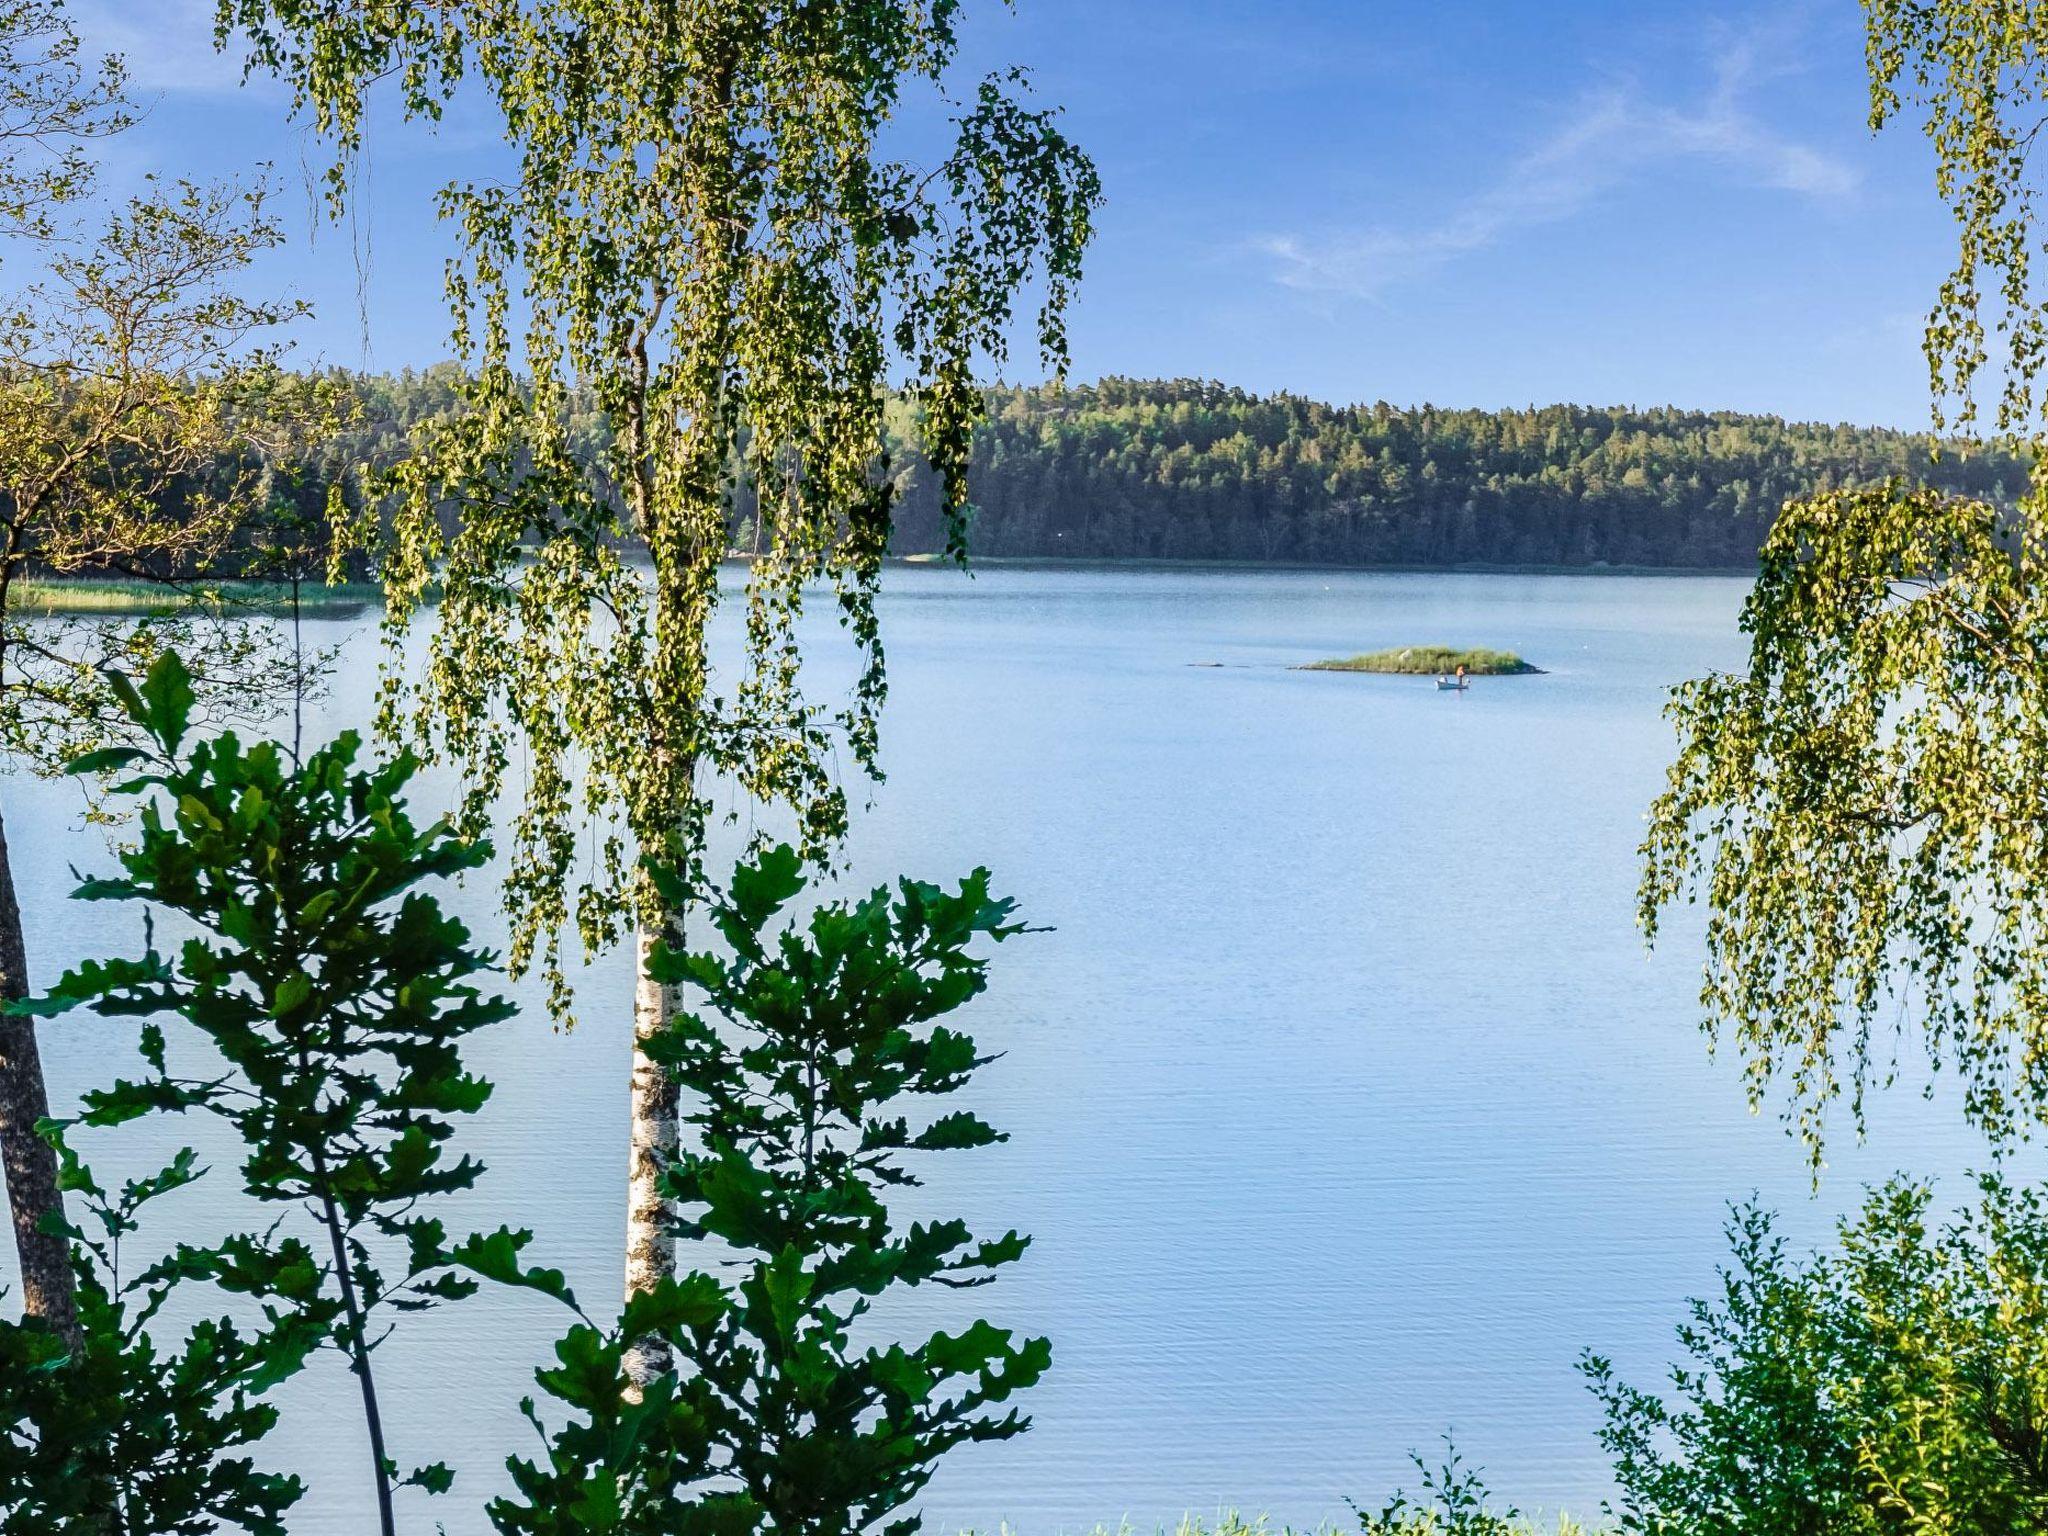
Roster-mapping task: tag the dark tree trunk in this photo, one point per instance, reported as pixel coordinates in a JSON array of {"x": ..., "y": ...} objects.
[{"x": 47, "y": 1287}]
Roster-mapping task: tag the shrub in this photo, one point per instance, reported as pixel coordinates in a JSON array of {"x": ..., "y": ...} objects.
[{"x": 813, "y": 1042}]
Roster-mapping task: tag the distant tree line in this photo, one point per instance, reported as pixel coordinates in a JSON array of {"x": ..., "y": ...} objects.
[{"x": 1185, "y": 470}]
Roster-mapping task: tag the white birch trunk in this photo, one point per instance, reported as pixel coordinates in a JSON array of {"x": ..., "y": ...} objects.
[{"x": 650, "y": 1237}]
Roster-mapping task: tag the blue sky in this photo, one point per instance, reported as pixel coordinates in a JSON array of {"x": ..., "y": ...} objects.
[{"x": 1470, "y": 202}]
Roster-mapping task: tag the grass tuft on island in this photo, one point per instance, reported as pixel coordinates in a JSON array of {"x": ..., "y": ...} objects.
[
  {"x": 142, "y": 599},
  {"x": 1430, "y": 661}
]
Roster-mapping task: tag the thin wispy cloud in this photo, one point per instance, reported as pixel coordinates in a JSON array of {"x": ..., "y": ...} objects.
[
  {"x": 168, "y": 49},
  {"x": 1614, "y": 136},
  {"x": 166, "y": 44}
]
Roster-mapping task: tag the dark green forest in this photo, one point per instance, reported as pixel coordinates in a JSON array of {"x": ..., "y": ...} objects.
[
  {"x": 1194, "y": 471},
  {"x": 1186, "y": 470}
]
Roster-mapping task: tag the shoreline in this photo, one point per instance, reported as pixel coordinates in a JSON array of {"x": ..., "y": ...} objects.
[
  {"x": 1160, "y": 564},
  {"x": 115, "y": 598},
  {"x": 1140, "y": 562},
  {"x": 127, "y": 597}
]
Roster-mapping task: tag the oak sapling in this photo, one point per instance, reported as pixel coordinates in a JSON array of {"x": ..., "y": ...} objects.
[
  {"x": 334, "y": 999},
  {"x": 797, "y": 1071},
  {"x": 122, "y": 1433}
]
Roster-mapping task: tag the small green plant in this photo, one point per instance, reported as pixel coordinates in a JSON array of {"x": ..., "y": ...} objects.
[
  {"x": 122, "y": 1435},
  {"x": 333, "y": 1000},
  {"x": 1454, "y": 1501},
  {"x": 800, "y": 1070}
]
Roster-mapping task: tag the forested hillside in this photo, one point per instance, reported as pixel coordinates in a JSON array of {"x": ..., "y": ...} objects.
[
  {"x": 1184, "y": 470},
  {"x": 1189, "y": 470}
]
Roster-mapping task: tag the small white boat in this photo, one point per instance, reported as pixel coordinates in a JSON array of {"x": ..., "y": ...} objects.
[{"x": 1451, "y": 685}]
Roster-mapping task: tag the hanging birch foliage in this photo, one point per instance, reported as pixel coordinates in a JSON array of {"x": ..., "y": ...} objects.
[
  {"x": 1861, "y": 810},
  {"x": 705, "y": 228}
]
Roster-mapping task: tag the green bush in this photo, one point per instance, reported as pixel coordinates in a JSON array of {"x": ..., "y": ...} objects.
[
  {"x": 803, "y": 1071},
  {"x": 1895, "y": 1386}
]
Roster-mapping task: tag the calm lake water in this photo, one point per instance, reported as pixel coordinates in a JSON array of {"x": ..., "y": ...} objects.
[{"x": 1345, "y": 1104}]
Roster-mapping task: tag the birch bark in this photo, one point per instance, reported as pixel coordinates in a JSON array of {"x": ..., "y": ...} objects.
[{"x": 654, "y": 1128}]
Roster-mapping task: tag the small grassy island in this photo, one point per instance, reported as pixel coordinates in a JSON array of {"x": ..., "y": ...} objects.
[{"x": 1430, "y": 661}]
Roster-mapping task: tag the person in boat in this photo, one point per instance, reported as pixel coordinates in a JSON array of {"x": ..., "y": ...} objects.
[{"x": 1461, "y": 674}]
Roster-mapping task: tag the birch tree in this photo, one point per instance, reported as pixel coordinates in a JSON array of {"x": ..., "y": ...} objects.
[
  {"x": 706, "y": 230},
  {"x": 1864, "y": 810}
]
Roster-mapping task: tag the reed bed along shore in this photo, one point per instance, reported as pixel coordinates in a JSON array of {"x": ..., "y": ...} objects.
[{"x": 145, "y": 599}]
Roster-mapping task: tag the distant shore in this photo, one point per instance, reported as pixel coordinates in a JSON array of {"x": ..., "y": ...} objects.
[
  {"x": 115, "y": 598},
  {"x": 121, "y": 598},
  {"x": 1468, "y": 568}
]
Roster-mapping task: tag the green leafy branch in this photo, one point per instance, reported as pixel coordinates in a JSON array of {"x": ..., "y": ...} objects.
[{"x": 334, "y": 994}]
